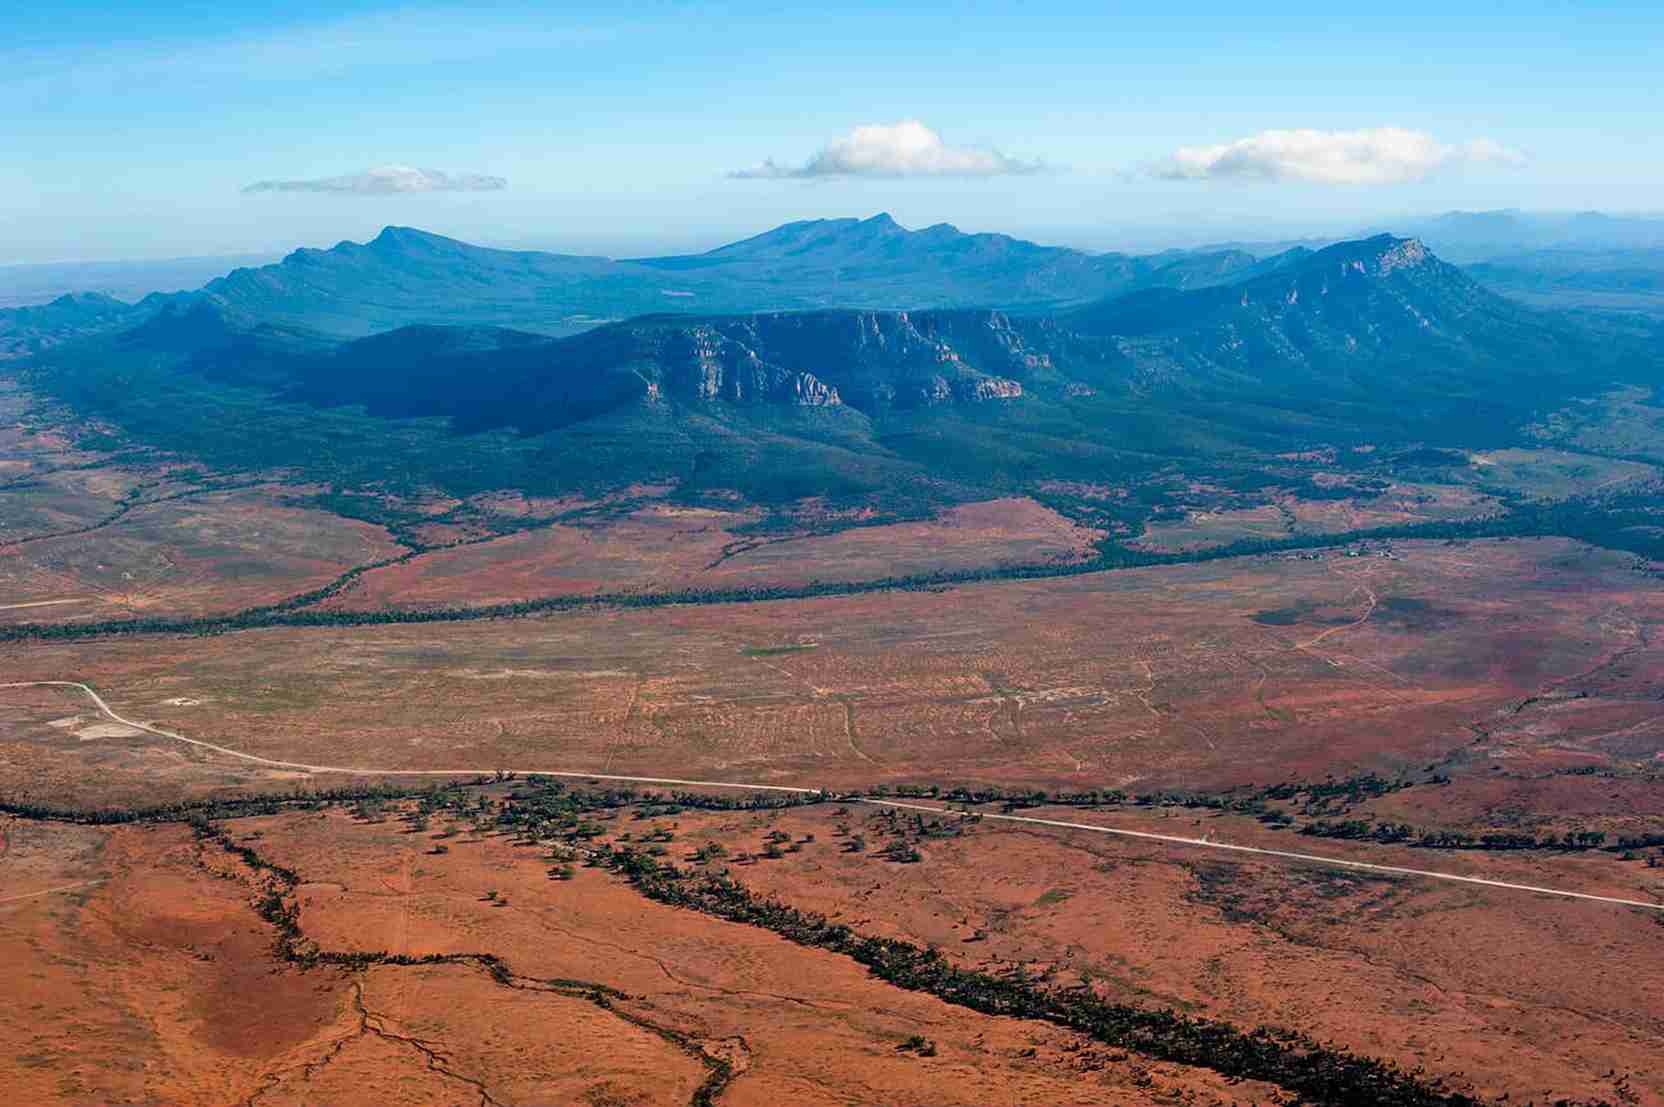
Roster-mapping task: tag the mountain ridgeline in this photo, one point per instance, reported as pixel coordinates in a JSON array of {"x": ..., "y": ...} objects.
[
  {"x": 406, "y": 276},
  {"x": 1375, "y": 341},
  {"x": 1381, "y": 319},
  {"x": 27, "y": 331}
]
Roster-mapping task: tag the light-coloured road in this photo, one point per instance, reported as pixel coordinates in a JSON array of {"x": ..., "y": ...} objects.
[
  {"x": 51, "y": 891},
  {"x": 1059, "y": 824},
  {"x": 1289, "y": 855},
  {"x": 348, "y": 770},
  {"x": 43, "y": 603}
]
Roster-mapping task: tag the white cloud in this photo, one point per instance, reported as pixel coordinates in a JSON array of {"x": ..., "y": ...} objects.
[
  {"x": 388, "y": 180},
  {"x": 905, "y": 149},
  {"x": 1382, "y": 155}
]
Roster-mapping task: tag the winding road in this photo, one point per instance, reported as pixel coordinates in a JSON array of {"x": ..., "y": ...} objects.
[{"x": 1059, "y": 824}]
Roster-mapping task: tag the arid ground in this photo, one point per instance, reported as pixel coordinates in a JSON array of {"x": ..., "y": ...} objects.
[{"x": 287, "y": 915}]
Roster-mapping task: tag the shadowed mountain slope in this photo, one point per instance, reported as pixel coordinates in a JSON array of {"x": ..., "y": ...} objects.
[
  {"x": 1364, "y": 342},
  {"x": 30, "y": 330},
  {"x": 1341, "y": 317}
]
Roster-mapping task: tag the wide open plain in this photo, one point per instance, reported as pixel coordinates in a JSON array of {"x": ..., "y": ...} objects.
[
  {"x": 1460, "y": 688},
  {"x": 1517, "y": 655}
]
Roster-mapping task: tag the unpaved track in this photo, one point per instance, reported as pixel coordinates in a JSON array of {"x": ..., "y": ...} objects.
[
  {"x": 301, "y": 766},
  {"x": 51, "y": 891},
  {"x": 1175, "y": 839},
  {"x": 44, "y": 603},
  {"x": 1144, "y": 835}
]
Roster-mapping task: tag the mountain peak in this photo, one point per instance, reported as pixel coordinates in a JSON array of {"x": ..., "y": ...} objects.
[
  {"x": 1406, "y": 253},
  {"x": 1348, "y": 280},
  {"x": 1378, "y": 256},
  {"x": 883, "y": 221},
  {"x": 191, "y": 322},
  {"x": 405, "y": 239},
  {"x": 87, "y": 300}
]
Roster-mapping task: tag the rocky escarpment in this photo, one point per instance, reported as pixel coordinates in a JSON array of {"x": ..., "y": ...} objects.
[
  {"x": 701, "y": 363},
  {"x": 870, "y": 360},
  {"x": 482, "y": 378}
]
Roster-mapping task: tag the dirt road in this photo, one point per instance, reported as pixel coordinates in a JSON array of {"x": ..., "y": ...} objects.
[{"x": 1169, "y": 839}]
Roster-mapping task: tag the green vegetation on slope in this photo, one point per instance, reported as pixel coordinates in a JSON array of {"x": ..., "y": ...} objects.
[{"x": 1372, "y": 343}]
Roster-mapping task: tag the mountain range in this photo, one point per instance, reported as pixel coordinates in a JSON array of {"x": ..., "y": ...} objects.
[
  {"x": 25, "y": 331},
  {"x": 1209, "y": 359},
  {"x": 1355, "y": 319},
  {"x": 1469, "y": 236},
  {"x": 406, "y": 276},
  {"x": 35, "y": 283}
]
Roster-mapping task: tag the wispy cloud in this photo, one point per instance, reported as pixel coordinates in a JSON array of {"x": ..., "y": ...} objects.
[
  {"x": 388, "y": 180},
  {"x": 905, "y": 149},
  {"x": 291, "y": 54},
  {"x": 1381, "y": 155}
]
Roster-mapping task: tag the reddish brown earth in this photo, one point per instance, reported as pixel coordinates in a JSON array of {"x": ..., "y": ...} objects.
[
  {"x": 1518, "y": 682},
  {"x": 1512, "y": 667},
  {"x": 215, "y": 552},
  {"x": 158, "y": 986},
  {"x": 70, "y": 553},
  {"x": 1199, "y": 676},
  {"x": 1500, "y": 992},
  {"x": 153, "y": 986},
  {"x": 152, "y": 980},
  {"x": 87, "y": 537},
  {"x": 671, "y": 548}
]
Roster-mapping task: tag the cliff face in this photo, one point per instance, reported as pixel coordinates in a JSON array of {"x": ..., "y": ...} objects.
[
  {"x": 482, "y": 378},
  {"x": 870, "y": 360},
  {"x": 701, "y": 363}
]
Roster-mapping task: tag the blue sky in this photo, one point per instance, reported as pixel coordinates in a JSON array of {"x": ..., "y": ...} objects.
[{"x": 133, "y": 129}]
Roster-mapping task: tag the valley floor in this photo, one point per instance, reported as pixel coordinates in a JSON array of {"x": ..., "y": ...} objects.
[{"x": 191, "y": 933}]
